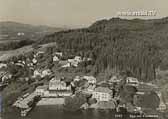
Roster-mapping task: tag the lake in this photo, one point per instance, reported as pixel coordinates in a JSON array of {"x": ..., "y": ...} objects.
[{"x": 56, "y": 112}]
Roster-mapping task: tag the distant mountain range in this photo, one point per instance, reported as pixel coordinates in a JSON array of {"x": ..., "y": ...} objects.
[{"x": 9, "y": 30}]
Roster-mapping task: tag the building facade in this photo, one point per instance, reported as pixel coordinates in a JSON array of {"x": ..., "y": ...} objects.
[{"x": 102, "y": 94}]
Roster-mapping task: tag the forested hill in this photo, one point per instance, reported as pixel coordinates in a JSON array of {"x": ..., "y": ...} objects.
[{"x": 139, "y": 46}]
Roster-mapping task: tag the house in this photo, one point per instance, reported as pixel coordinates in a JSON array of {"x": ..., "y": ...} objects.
[
  {"x": 58, "y": 88},
  {"x": 90, "y": 79},
  {"x": 55, "y": 84},
  {"x": 78, "y": 59},
  {"x": 36, "y": 73},
  {"x": 40, "y": 90},
  {"x": 87, "y": 59},
  {"x": 30, "y": 64},
  {"x": 20, "y": 34},
  {"x": 46, "y": 72},
  {"x": 2, "y": 65},
  {"x": 102, "y": 94},
  {"x": 73, "y": 62},
  {"x": 42, "y": 74},
  {"x": 114, "y": 79},
  {"x": 34, "y": 61},
  {"x": 59, "y": 54},
  {"x": 19, "y": 64},
  {"x": 55, "y": 59},
  {"x": 38, "y": 53},
  {"x": 77, "y": 78},
  {"x": 132, "y": 81},
  {"x": 64, "y": 64}
]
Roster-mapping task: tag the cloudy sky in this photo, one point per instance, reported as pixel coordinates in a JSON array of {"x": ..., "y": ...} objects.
[{"x": 73, "y": 13}]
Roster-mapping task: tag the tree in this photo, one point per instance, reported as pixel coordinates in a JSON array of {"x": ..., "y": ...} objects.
[
  {"x": 74, "y": 103},
  {"x": 127, "y": 93},
  {"x": 149, "y": 100}
]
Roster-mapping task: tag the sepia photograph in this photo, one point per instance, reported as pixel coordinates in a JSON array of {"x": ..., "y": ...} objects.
[{"x": 83, "y": 59}]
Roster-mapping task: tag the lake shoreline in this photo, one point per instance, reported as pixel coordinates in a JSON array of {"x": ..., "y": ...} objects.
[{"x": 51, "y": 101}]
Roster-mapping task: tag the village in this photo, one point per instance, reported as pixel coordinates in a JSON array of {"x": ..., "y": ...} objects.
[{"x": 54, "y": 91}]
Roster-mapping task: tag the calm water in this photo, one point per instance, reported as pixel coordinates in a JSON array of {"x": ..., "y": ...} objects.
[{"x": 56, "y": 112}]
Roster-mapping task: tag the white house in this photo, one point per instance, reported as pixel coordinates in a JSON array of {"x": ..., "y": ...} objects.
[
  {"x": 39, "y": 52},
  {"x": 90, "y": 79},
  {"x": 114, "y": 79},
  {"x": 30, "y": 64},
  {"x": 59, "y": 54},
  {"x": 132, "y": 81},
  {"x": 55, "y": 84},
  {"x": 66, "y": 65},
  {"x": 55, "y": 59},
  {"x": 102, "y": 94},
  {"x": 78, "y": 59},
  {"x": 77, "y": 78},
  {"x": 19, "y": 64},
  {"x": 36, "y": 73},
  {"x": 87, "y": 59},
  {"x": 20, "y": 34},
  {"x": 2, "y": 65},
  {"x": 34, "y": 61},
  {"x": 46, "y": 72},
  {"x": 73, "y": 62},
  {"x": 58, "y": 88}
]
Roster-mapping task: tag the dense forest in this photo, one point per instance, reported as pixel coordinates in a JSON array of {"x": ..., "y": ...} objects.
[{"x": 138, "y": 46}]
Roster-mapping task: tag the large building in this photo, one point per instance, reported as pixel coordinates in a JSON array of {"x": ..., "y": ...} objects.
[
  {"x": 132, "y": 81},
  {"x": 102, "y": 94},
  {"x": 58, "y": 88},
  {"x": 90, "y": 79}
]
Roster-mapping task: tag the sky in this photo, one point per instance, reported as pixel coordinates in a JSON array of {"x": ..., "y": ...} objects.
[{"x": 74, "y": 13}]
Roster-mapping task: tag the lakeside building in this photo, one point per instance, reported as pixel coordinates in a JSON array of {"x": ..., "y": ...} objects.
[
  {"x": 132, "y": 81},
  {"x": 56, "y": 84},
  {"x": 58, "y": 88},
  {"x": 90, "y": 79},
  {"x": 102, "y": 94}
]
